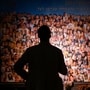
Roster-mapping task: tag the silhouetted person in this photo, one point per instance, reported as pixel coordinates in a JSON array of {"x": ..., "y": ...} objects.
[{"x": 45, "y": 61}]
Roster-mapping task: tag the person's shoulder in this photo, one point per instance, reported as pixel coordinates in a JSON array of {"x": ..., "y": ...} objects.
[
  {"x": 32, "y": 47},
  {"x": 57, "y": 49}
]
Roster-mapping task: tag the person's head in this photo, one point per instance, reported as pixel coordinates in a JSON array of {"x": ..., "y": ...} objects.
[{"x": 44, "y": 33}]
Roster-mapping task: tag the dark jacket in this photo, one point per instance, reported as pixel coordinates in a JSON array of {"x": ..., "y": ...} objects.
[{"x": 45, "y": 61}]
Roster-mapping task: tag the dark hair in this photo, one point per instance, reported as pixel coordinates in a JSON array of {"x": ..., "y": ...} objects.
[{"x": 44, "y": 32}]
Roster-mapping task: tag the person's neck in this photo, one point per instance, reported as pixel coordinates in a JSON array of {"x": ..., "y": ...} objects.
[{"x": 44, "y": 41}]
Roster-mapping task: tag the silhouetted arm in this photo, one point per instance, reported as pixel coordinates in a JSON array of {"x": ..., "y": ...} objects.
[
  {"x": 61, "y": 65},
  {"x": 19, "y": 65}
]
